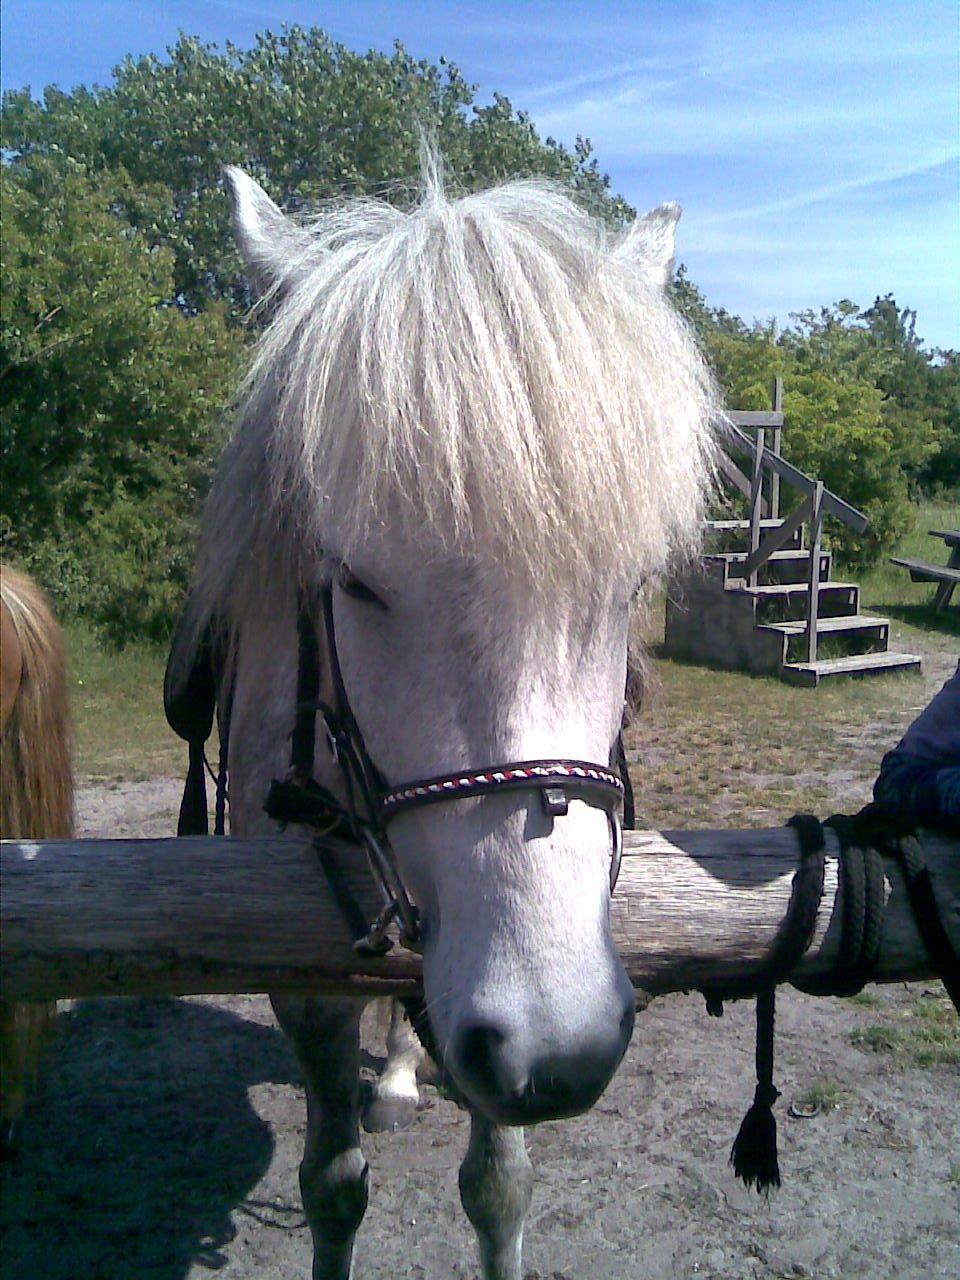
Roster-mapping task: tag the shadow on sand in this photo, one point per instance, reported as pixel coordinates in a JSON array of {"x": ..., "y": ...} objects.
[{"x": 139, "y": 1143}]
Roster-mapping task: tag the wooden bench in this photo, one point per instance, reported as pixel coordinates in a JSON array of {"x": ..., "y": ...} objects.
[{"x": 946, "y": 576}]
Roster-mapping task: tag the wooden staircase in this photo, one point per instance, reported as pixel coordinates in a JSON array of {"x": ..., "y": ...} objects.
[
  {"x": 762, "y": 599},
  {"x": 849, "y": 642}
]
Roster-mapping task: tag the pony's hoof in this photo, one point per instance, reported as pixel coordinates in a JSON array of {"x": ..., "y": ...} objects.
[{"x": 388, "y": 1115}]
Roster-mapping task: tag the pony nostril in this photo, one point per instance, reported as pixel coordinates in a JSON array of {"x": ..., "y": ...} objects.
[{"x": 481, "y": 1061}]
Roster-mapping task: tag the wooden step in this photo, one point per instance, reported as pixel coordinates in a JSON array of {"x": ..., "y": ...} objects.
[
  {"x": 861, "y": 664},
  {"x": 852, "y": 633},
  {"x": 848, "y": 622},
  {"x": 736, "y": 533},
  {"x": 789, "y": 565},
  {"x": 791, "y": 588},
  {"x": 791, "y": 553},
  {"x": 787, "y": 601}
]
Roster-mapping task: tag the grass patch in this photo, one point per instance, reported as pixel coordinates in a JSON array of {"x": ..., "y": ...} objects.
[
  {"x": 887, "y": 588},
  {"x": 865, "y": 998},
  {"x": 724, "y": 748},
  {"x": 825, "y": 1094},
  {"x": 120, "y": 731},
  {"x": 720, "y": 748},
  {"x": 927, "y": 1033}
]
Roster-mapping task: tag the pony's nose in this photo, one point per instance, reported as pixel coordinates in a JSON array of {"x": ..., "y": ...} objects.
[
  {"x": 484, "y": 1062},
  {"x": 515, "y": 1080}
]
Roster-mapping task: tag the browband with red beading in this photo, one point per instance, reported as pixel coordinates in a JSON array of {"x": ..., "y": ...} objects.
[{"x": 572, "y": 779}]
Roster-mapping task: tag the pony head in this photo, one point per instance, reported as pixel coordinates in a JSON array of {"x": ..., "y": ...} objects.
[{"x": 483, "y": 420}]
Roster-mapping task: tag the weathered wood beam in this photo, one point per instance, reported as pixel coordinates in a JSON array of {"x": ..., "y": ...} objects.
[
  {"x": 752, "y": 419},
  {"x": 208, "y": 915},
  {"x": 776, "y": 538},
  {"x": 832, "y": 505}
]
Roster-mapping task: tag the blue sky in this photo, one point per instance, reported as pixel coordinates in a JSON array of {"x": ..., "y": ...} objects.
[{"x": 813, "y": 144}]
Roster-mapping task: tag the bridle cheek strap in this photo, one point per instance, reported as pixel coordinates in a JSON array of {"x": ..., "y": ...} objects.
[{"x": 371, "y": 803}]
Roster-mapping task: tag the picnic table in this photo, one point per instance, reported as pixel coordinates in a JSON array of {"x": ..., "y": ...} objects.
[{"x": 946, "y": 576}]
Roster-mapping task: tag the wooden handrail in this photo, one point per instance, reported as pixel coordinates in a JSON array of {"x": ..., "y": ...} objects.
[
  {"x": 813, "y": 569},
  {"x": 832, "y": 505},
  {"x": 736, "y": 477}
]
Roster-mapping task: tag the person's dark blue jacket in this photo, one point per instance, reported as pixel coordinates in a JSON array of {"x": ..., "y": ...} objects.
[{"x": 920, "y": 777}]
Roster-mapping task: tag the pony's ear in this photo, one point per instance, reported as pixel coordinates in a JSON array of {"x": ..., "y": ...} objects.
[
  {"x": 649, "y": 243},
  {"x": 269, "y": 243}
]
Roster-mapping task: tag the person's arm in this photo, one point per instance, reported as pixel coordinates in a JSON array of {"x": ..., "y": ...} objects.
[
  {"x": 919, "y": 790},
  {"x": 920, "y": 777}
]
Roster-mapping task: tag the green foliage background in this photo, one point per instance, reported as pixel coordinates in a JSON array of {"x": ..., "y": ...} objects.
[{"x": 122, "y": 303}]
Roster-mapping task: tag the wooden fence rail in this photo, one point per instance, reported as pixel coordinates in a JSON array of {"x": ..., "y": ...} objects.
[{"x": 209, "y": 915}]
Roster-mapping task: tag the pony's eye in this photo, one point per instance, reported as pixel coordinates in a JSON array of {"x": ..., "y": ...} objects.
[{"x": 349, "y": 583}]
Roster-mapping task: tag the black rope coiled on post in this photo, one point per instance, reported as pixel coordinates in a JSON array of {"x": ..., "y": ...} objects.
[
  {"x": 863, "y": 897},
  {"x": 881, "y": 828},
  {"x": 864, "y": 840}
]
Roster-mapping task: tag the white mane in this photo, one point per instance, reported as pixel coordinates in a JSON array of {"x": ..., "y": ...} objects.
[{"x": 499, "y": 372}]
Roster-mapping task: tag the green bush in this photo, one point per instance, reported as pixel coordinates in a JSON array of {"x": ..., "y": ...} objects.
[{"x": 111, "y": 401}]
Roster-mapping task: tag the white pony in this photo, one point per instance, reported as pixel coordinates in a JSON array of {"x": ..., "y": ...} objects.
[{"x": 488, "y": 410}]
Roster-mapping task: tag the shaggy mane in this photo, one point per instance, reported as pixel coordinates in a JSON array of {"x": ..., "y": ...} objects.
[
  {"x": 495, "y": 372},
  {"x": 36, "y": 782}
]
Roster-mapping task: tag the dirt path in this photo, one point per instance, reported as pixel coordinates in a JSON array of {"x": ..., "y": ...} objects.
[{"x": 164, "y": 1146}]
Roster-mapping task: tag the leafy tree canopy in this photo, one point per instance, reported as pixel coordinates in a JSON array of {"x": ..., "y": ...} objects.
[
  {"x": 868, "y": 409},
  {"x": 307, "y": 117}
]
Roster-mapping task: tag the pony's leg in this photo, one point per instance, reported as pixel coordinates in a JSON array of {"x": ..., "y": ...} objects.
[
  {"x": 325, "y": 1035},
  {"x": 496, "y": 1182},
  {"x": 394, "y": 1097}
]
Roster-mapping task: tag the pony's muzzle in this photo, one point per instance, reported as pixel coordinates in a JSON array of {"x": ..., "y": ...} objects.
[{"x": 516, "y": 1080}]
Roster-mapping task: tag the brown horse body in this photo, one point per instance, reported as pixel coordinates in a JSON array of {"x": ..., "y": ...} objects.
[{"x": 36, "y": 791}]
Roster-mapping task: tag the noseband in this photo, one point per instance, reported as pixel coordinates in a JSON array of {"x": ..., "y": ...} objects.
[{"x": 371, "y": 803}]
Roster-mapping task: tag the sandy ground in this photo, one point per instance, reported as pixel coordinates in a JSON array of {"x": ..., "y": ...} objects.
[{"x": 165, "y": 1139}]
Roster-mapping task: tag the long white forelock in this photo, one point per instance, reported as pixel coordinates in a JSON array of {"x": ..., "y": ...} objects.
[{"x": 497, "y": 371}]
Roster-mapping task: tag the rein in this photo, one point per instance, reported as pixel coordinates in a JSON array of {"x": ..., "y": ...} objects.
[{"x": 371, "y": 802}]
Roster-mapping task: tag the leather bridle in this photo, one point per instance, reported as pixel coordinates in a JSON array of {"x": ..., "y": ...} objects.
[{"x": 371, "y": 802}]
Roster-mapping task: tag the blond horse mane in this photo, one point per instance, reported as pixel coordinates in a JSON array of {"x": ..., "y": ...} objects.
[
  {"x": 36, "y": 789},
  {"x": 497, "y": 373}
]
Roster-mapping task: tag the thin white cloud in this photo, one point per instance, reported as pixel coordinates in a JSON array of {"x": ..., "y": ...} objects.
[
  {"x": 592, "y": 79},
  {"x": 805, "y": 198}
]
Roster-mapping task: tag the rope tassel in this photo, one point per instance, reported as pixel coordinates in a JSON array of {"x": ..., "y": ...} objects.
[{"x": 754, "y": 1152}]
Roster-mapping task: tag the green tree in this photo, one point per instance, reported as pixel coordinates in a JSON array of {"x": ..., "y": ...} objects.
[
  {"x": 109, "y": 398},
  {"x": 921, "y": 391},
  {"x": 123, "y": 292},
  {"x": 849, "y": 418}
]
